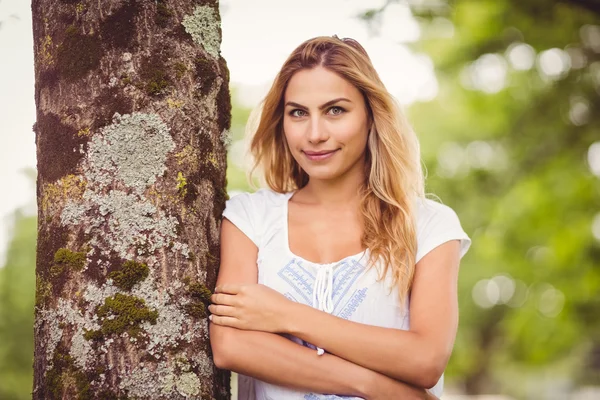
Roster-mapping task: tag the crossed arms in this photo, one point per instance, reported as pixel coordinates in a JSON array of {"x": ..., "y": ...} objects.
[{"x": 362, "y": 360}]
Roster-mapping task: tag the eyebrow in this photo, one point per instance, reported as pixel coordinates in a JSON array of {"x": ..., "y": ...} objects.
[{"x": 322, "y": 107}]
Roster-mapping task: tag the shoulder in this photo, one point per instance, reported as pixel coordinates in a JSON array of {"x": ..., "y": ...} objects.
[
  {"x": 437, "y": 223},
  {"x": 261, "y": 199},
  {"x": 249, "y": 211},
  {"x": 428, "y": 210}
]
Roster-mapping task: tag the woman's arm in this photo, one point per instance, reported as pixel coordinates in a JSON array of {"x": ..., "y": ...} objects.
[
  {"x": 418, "y": 356},
  {"x": 277, "y": 360},
  {"x": 274, "y": 359}
]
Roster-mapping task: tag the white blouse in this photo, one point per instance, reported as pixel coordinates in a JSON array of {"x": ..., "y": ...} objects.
[{"x": 345, "y": 288}]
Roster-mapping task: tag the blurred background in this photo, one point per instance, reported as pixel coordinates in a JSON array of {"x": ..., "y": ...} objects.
[{"x": 504, "y": 96}]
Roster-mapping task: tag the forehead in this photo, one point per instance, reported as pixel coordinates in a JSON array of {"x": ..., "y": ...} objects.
[{"x": 318, "y": 85}]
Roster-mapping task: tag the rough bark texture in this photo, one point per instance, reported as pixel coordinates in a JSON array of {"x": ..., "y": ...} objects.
[{"x": 133, "y": 113}]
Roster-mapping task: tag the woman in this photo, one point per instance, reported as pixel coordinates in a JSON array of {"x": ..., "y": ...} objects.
[{"x": 320, "y": 273}]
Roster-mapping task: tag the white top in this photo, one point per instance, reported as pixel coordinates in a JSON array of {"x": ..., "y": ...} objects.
[{"x": 345, "y": 288}]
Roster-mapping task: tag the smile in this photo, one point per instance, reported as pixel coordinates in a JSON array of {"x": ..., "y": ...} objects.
[{"x": 319, "y": 155}]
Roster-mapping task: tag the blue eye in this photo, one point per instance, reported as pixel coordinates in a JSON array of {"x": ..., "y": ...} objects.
[
  {"x": 336, "y": 110},
  {"x": 294, "y": 113}
]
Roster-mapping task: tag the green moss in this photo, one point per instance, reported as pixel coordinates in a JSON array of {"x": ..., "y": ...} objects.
[
  {"x": 43, "y": 290},
  {"x": 180, "y": 69},
  {"x": 65, "y": 377},
  {"x": 78, "y": 54},
  {"x": 200, "y": 295},
  {"x": 154, "y": 75},
  {"x": 163, "y": 14},
  {"x": 196, "y": 309},
  {"x": 199, "y": 291},
  {"x": 130, "y": 273},
  {"x": 72, "y": 260},
  {"x": 93, "y": 335},
  {"x": 56, "y": 270},
  {"x": 71, "y": 30},
  {"x": 122, "y": 313}
]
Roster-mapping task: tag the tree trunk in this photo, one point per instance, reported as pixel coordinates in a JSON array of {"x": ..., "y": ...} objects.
[{"x": 133, "y": 112}]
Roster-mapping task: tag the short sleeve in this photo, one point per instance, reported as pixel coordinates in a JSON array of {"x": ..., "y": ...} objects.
[
  {"x": 240, "y": 210},
  {"x": 436, "y": 225}
]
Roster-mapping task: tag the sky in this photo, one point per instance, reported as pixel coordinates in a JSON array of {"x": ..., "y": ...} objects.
[{"x": 257, "y": 37}]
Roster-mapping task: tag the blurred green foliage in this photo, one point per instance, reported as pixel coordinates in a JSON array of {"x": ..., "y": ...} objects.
[
  {"x": 507, "y": 146},
  {"x": 17, "y": 298}
]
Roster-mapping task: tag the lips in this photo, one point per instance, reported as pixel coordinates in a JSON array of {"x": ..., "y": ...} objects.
[{"x": 319, "y": 155}]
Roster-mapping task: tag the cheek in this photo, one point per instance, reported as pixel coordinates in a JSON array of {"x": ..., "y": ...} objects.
[
  {"x": 351, "y": 133},
  {"x": 291, "y": 135}
]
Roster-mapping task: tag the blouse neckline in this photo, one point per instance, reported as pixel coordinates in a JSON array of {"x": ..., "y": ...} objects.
[{"x": 286, "y": 239}]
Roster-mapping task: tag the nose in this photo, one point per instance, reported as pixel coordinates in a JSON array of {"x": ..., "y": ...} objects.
[{"x": 316, "y": 131}]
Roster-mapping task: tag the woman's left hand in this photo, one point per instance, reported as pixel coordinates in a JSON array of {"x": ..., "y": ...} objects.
[{"x": 253, "y": 307}]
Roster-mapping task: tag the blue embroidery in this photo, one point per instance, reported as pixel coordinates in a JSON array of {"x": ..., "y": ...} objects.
[
  {"x": 357, "y": 297},
  {"x": 344, "y": 283},
  {"x": 312, "y": 396},
  {"x": 299, "y": 279},
  {"x": 344, "y": 277}
]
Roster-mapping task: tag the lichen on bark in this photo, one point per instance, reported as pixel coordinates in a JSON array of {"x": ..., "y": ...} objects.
[{"x": 204, "y": 27}]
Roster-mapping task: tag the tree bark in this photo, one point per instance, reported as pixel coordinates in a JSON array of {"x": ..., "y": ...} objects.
[{"x": 133, "y": 113}]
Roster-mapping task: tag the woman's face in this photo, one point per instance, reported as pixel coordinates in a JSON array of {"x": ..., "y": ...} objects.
[{"x": 325, "y": 123}]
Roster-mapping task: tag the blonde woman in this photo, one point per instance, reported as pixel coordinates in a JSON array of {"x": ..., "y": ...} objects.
[{"x": 339, "y": 280}]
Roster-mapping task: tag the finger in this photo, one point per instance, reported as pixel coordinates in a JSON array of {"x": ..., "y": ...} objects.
[
  {"x": 223, "y": 299},
  {"x": 229, "y": 288},
  {"x": 224, "y": 321},
  {"x": 222, "y": 311}
]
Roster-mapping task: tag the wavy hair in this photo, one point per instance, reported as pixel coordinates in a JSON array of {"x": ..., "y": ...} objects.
[{"x": 393, "y": 175}]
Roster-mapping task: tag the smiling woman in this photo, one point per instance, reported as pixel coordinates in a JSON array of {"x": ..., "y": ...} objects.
[{"x": 339, "y": 279}]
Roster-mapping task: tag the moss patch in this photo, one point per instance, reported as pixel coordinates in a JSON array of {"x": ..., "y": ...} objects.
[
  {"x": 43, "y": 290},
  {"x": 69, "y": 187},
  {"x": 200, "y": 295},
  {"x": 180, "y": 70},
  {"x": 71, "y": 260},
  {"x": 131, "y": 273},
  {"x": 199, "y": 291},
  {"x": 195, "y": 309},
  {"x": 155, "y": 75},
  {"x": 163, "y": 14},
  {"x": 57, "y": 141},
  {"x": 77, "y": 54},
  {"x": 64, "y": 379},
  {"x": 122, "y": 313}
]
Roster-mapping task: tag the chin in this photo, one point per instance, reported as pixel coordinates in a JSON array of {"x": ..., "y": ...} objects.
[{"x": 322, "y": 175}]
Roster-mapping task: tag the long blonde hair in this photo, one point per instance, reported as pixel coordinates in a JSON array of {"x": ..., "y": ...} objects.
[{"x": 393, "y": 174}]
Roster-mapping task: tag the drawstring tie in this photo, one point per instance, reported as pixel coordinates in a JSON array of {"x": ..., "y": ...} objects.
[{"x": 323, "y": 292}]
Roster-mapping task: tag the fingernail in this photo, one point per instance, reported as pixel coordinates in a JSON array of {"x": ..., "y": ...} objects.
[{"x": 210, "y": 317}]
